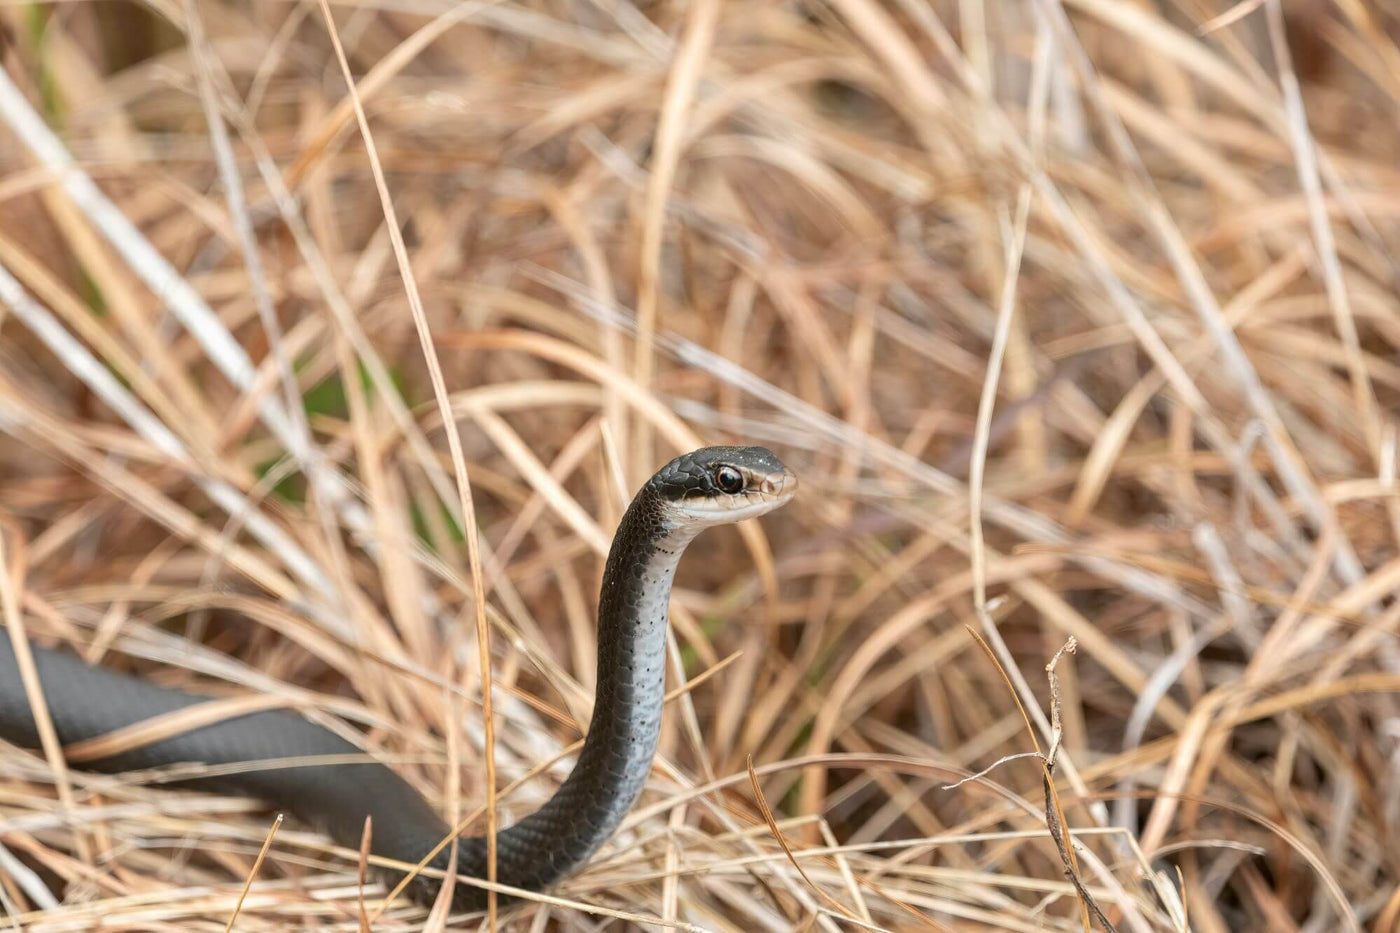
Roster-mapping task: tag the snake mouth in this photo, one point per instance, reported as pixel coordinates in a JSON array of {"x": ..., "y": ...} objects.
[{"x": 762, "y": 494}]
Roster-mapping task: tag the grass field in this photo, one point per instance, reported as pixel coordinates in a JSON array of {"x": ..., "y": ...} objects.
[{"x": 1078, "y": 319}]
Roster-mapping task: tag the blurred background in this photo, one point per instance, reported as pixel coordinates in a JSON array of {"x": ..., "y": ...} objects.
[{"x": 1077, "y": 318}]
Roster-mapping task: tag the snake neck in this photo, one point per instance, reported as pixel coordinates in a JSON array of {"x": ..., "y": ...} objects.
[{"x": 616, "y": 757}]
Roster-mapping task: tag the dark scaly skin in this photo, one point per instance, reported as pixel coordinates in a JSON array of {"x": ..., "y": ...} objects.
[{"x": 540, "y": 849}]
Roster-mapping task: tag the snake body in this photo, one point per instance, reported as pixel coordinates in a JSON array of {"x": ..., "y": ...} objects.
[{"x": 711, "y": 486}]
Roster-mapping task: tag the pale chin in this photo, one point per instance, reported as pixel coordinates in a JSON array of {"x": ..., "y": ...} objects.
[{"x": 698, "y": 514}]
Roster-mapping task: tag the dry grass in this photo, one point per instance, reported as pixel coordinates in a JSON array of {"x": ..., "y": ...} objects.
[{"x": 1078, "y": 321}]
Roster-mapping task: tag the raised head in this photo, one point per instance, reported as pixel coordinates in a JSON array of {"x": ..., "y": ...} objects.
[{"x": 719, "y": 485}]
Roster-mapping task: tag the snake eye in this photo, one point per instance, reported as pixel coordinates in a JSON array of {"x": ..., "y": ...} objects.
[{"x": 729, "y": 480}]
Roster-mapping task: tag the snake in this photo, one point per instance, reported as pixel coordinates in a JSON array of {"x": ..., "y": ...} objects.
[{"x": 698, "y": 490}]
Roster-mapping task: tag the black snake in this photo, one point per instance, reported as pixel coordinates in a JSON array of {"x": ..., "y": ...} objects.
[{"x": 711, "y": 486}]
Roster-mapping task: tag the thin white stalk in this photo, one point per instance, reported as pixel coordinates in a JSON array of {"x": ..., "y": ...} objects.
[
  {"x": 145, "y": 260},
  {"x": 200, "y": 55},
  {"x": 82, "y": 364},
  {"x": 28, "y": 880}
]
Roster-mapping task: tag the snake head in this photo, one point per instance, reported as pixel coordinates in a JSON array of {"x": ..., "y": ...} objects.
[{"x": 720, "y": 485}]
